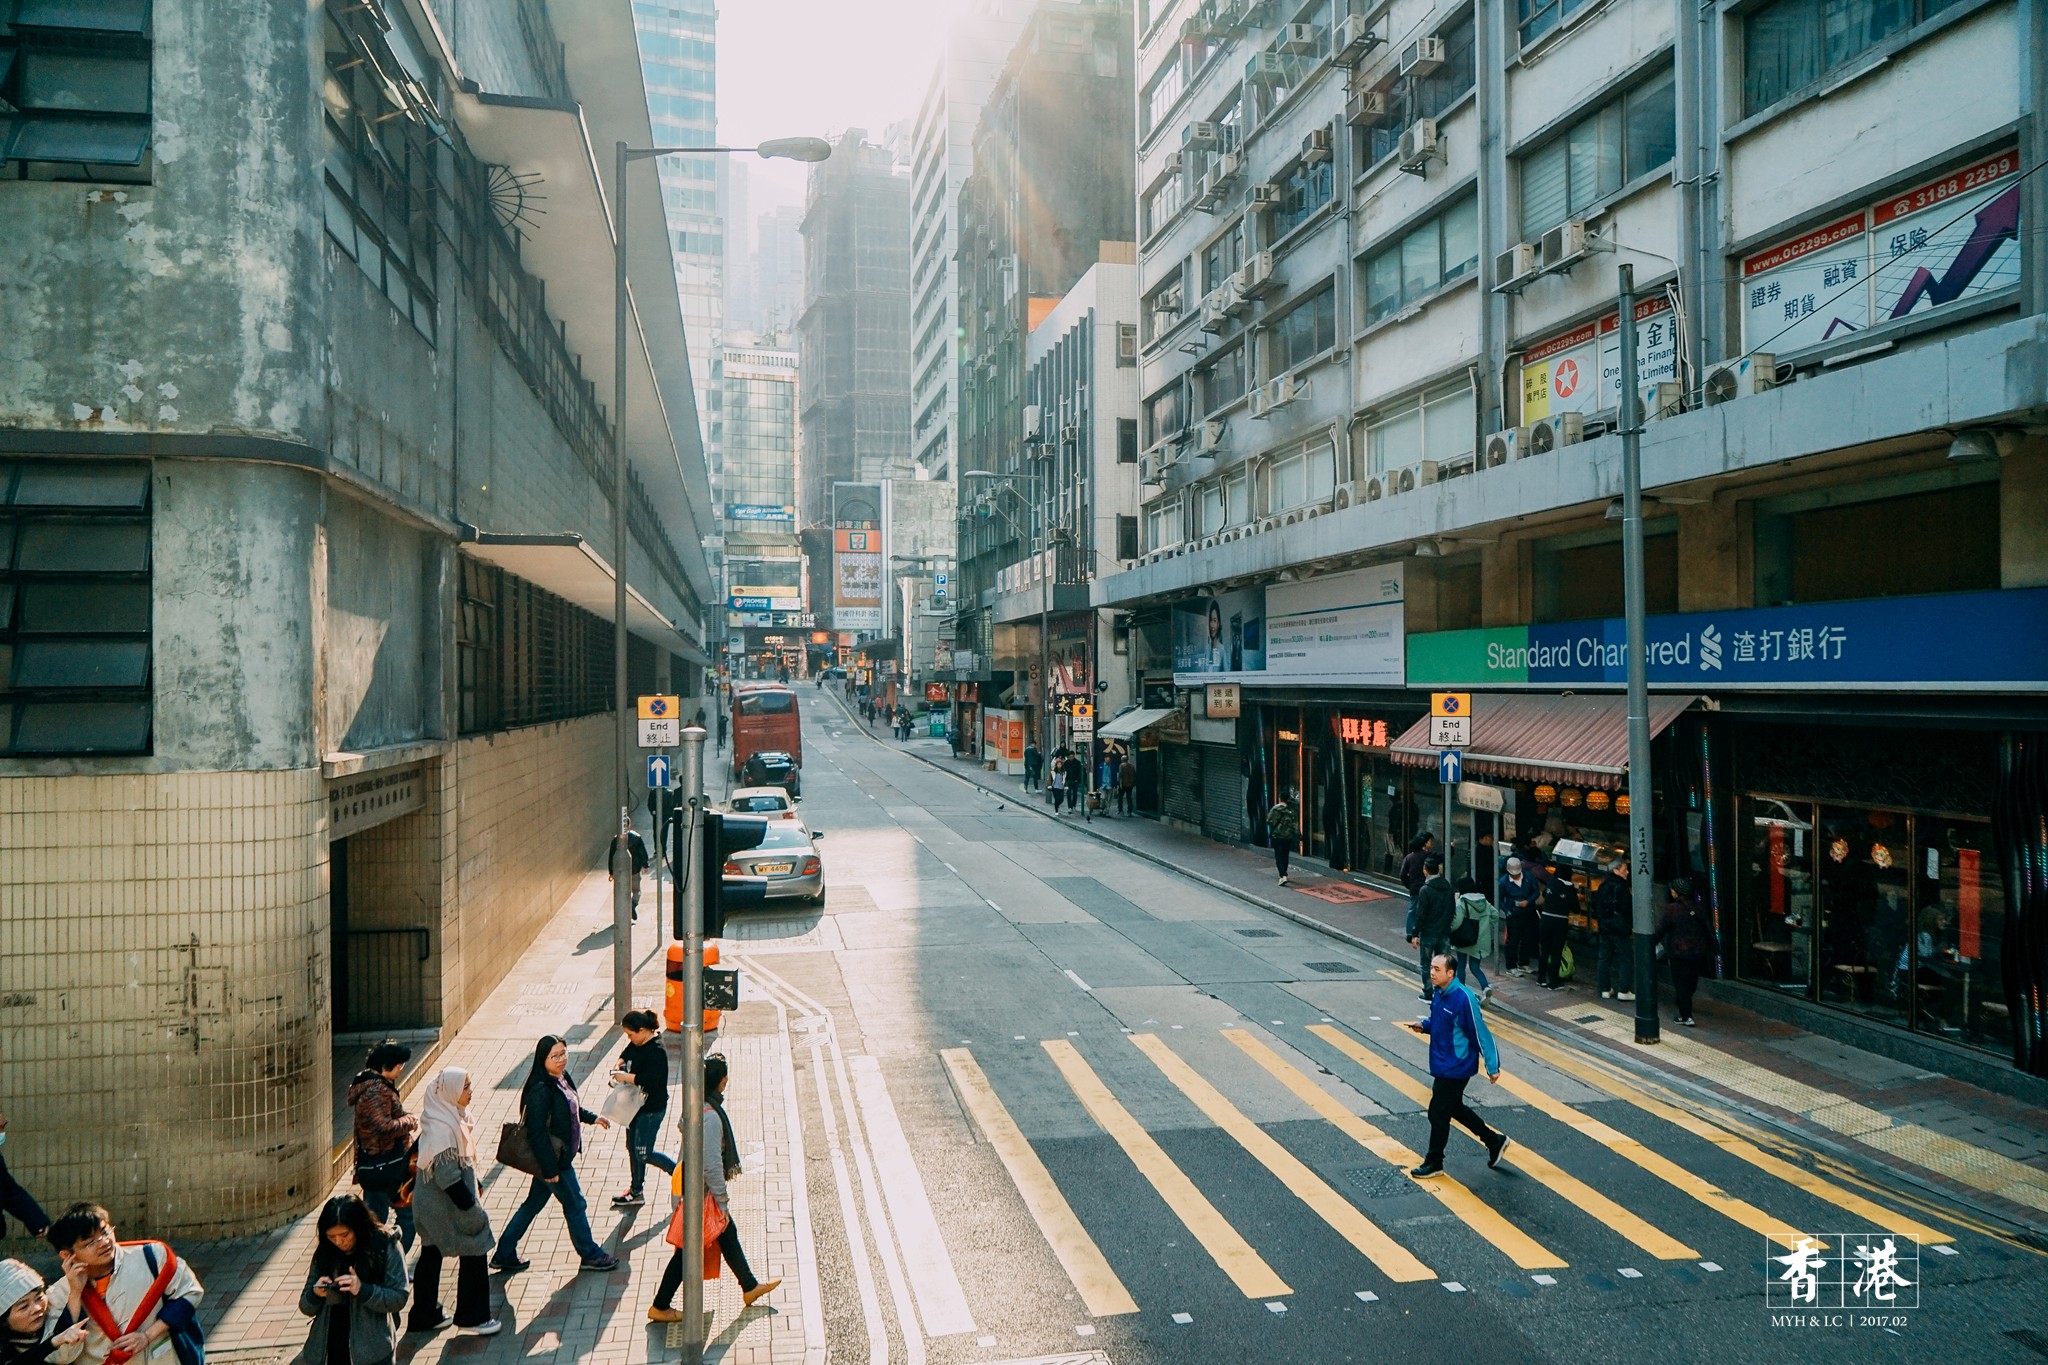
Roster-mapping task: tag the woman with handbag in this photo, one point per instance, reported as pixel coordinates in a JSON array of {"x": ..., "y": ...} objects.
[
  {"x": 550, "y": 1119},
  {"x": 449, "y": 1211},
  {"x": 355, "y": 1288},
  {"x": 721, "y": 1163},
  {"x": 384, "y": 1135}
]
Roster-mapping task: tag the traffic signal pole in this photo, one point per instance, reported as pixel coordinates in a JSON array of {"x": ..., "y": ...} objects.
[{"x": 690, "y": 911}]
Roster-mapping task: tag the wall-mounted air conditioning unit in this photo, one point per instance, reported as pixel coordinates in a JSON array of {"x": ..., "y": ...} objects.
[
  {"x": 1422, "y": 57},
  {"x": 1269, "y": 524},
  {"x": 1352, "y": 39},
  {"x": 1209, "y": 438},
  {"x": 1663, "y": 400},
  {"x": 1366, "y": 108},
  {"x": 1153, "y": 464},
  {"x": 1234, "y": 303},
  {"x": 1420, "y": 145},
  {"x": 1259, "y": 403},
  {"x": 1202, "y": 135},
  {"x": 1414, "y": 476},
  {"x": 1225, "y": 167},
  {"x": 1267, "y": 68},
  {"x": 1296, "y": 40},
  {"x": 1503, "y": 446},
  {"x": 1207, "y": 543},
  {"x": 1349, "y": 495},
  {"x": 1565, "y": 429},
  {"x": 1169, "y": 301},
  {"x": 1034, "y": 421},
  {"x": 1563, "y": 246},
  {"x": 1315, "y": 148},
  {"x": 1255, "y": 277},
  {"x": 1215, "y": 312},
  {"x": 1283, "y": 389},
  {"x": 1070, "y": 434},
  {"x": 1262, "y": 197},
  {"x": 1514, "y": 268},
  {"x": 1381, "y": 486},
  {"x": 1741, "y": 377},
  {"x": 1209, "y": 192}
]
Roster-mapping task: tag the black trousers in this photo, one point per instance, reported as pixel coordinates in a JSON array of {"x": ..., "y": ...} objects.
[
  {"x": 1447, "y": 1102},
  {"x": 1550, "y": 934},
  {"x": 728, "y": 1247},
  {"x": 1520, "y": 949},
  {"x": 472, "y": 1290},
  {"x": 1281, "y": 849},
  {"x": 1685, "y": 979}
]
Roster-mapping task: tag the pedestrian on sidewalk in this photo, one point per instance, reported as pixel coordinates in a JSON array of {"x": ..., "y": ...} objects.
[
  {"x": 1127, "y": 786},
  {"x": 1686, "y": 938},
  {"x": 1413, "y": 873},
  {"x": 1516, "y": 901},
  {"x": 1436, "y": 906},
  {"x": 1458, "y": 1041},
  {"x": 1283, "y": 829},
  {"x": 643, "y": 1064},
  {"x": 1034, "y": 765},
  {"x": 17, "y": 1201},
  {"x": 354, "y": 1288},
  {"x": 111, "y": 1286},
  {"x": 721, "y": 1163},
  {"x": 385, "y": 1134},
  {"x": 452, "y": 1221},
  {"x": 636, "y": 850},
  {"x": 723, "y": 721},
  {"x": 1614, "y": 921},
  {"x": 28, "y": 1311},
  {"x": 1475, "y": 923},
  {"x": 1554, "y": 911},
  {"x": 1056, "y": 780},
  {"x": 553, "y": 1116},
  {"x": 1077, "y": 780}
]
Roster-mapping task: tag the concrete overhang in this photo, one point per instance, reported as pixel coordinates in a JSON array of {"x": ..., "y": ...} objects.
[{"x": 567, "y": 567}]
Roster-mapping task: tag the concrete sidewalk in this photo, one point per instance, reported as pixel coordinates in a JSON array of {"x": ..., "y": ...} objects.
[{"x": 1949, "y": 1137}]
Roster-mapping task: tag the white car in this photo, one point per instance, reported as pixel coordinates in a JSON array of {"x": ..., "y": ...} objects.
[{"x": 772, "y": 802}]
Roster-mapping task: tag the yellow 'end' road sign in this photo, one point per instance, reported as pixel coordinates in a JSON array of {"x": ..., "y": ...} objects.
[
  {"x": 1450, "y": 703},
  {"x": 658, "y": 707}
]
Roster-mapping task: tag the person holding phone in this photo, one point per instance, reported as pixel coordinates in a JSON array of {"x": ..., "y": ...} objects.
[
  {"x": 354, "y": 1289},
  {"x": 110, "y": 1286},
  {"x": 1458, "y": 1041}
]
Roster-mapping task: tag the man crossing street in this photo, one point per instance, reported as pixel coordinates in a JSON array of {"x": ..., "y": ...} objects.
[{"x": 1458, "y": 1041}]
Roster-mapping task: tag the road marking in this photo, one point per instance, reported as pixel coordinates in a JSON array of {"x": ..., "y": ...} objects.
[
  {"x": 941, "y": 1303},
  {"x": 1537, "y": 1167},
  {"x": 1232, "y": 1254},
  {"x": 1393, "y": 1259},
  {"x": 1100, "y": 1289},
  {"x": 1078, "y": 982},
  {"x": 1183, "y": 1318},
  {"x": 1873, "y": 1214},
  {"x": 1366, "y": 1296},
  {"x": 1544, "y": 1280},
  {"x": 1524, "y": 1250}
]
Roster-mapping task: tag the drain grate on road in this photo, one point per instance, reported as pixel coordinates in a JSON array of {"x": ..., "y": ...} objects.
[
  {"x": 1587, "y": 1018},
  {"x": 1258, "y": 933},
  {"x": 1332, "y": 968},
  {"x": 1379, "y": 1182}
]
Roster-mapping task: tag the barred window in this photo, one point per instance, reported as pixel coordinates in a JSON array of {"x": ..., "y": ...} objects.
[
  {"x": 75, "y": 89},
  {"x": 525, "y": 656},
  {"x": 74, "y": 608}
]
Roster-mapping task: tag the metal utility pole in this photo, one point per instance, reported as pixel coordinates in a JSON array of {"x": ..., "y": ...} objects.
[
  {"x": 622, "y": 733},
  {"x": 691, "y": 903},
  {"x": 1641, "y": 791}
]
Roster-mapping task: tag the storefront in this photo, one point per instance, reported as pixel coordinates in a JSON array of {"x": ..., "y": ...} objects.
[
  {"x": 1357, "y": 810},
  {"x": 1138, "y": 732}
]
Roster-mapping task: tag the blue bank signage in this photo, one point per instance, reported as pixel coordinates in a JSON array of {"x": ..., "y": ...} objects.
[
  {"x": 757, "y": 511},
  {"x": 1957, "y": 641}
]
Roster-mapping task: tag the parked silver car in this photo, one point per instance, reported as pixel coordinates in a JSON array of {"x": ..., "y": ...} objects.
[{"x": 787, "y": 858}]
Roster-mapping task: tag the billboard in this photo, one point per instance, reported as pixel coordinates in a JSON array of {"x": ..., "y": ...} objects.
[
  {"x": 1580, "y": 370},
  {"x": 1344, "y": 624},
  {"x": 857, "y": 579},
  {"x": 1225, "y": 633}
]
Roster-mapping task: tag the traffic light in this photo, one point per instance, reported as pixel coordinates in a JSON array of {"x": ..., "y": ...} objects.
[{"x": 725, "y": 835}]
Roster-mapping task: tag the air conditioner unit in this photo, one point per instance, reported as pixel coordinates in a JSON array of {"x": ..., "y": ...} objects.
[
  {"x": 1207, "y": 543},
  {"x": 1282, "y": 390},
  {"x": 1420, "y": 146},
  {"x": 1293, "y": 518},
  {"x": 1365, "y": 108},
  {"x": 1202, "y": 135},
  {"x": 1259, "y": 403},
  {"x": 1415, "y": 475},
  {"x": 1225, "y": 167},
  {"x": 1209, "y": 438},
  {"x": 1563, "y": 246},
  {"x": 1315, "y": 148},
  {"x": 1169, "y": 301},
  {"x": 1350, "y": 494},
  {"x": 1034, "y": 421},
  {"x": 1262, "y": 196},
  {"x": 1174, "y": 164},
  {"x": 1195, "y": 29},
  {"x": 1127, "y": 343},
  {"x": 1234, "y": 303},
  {"x": 1209, "y": 192},
  {"x": 1663, "y": 400},
  {"x": 1255, "y": 277},
  {"x": 1422, "y": 57},
  {"x": 1215, "y": 312},
  {"x": 1296, "y": 40},
  {"x": 1070, "y": 434},
  {"x": 1352, "y": 39},
  {"x": 1267, "y": 68},
  {"x": 1150, "y": 468},
  {"x": 1741, "y": 377},
  {"x": 1269, "y": 524},
  {"x": 1380, "y": 486},
  {"x": 1502, "y": 447},
  {"x": 1565, "y": 429},
  {"x": 1514, "y": 268}
]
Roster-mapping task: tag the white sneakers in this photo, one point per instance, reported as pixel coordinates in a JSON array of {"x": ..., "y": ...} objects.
[{"x": 482, "y": 1329}]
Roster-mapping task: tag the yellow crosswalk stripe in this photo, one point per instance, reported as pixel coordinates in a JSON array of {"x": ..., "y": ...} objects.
[
  {"x": 1101, "y": 1291},
  {"x": 1518, "y": 1246},
  {"x": 1232, "y": 1254},
  {"x": 1537, "y": 1167},
  {"x": 1393, "y": 1259},
  {"x": 1876, "y": 1215}
]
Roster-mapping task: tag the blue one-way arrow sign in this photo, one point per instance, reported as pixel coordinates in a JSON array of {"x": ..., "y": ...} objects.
[
  {"x": 1450, "y": 765},
  {"x": 657, "y": 772}
]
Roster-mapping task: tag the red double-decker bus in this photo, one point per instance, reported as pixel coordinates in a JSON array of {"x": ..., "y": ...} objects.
[{"x": 765, "y": 719}]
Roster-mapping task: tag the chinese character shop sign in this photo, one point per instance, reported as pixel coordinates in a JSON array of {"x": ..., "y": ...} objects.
[{"x": 1980, "y": 640}]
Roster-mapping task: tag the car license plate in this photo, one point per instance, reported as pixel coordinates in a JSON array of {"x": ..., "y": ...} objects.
[{"x": 773, "y": 869}]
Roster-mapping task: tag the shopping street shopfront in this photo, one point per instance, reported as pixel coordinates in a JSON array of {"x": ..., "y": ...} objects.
[{"x": 1858, "y": 791}]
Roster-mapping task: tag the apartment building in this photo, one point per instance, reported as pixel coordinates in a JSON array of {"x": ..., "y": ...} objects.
[
  {"x": 306, "y": 637},
  {"x": 766, "y": 611},
  {"x": 1381, "y": 360}
]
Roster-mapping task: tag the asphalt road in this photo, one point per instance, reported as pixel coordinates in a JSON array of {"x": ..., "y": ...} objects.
[{"x": 1058, "y": 1100}]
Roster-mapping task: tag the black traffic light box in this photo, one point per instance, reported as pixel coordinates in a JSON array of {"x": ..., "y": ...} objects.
[{"x": 725, "y": 835}]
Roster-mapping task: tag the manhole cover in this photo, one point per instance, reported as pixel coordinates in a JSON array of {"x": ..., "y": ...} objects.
[
  {"x": 1258, "y": 933},
  {"x": 1379, "y": 1182},
  {"x": 1332, "y": 968},
  {"x": 1587, "y": 1018}
]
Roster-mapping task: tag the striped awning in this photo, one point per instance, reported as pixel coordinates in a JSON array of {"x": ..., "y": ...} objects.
[{"x": 1582, "y": 740}]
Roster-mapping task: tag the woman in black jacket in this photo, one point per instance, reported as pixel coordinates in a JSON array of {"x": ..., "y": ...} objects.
[{"x": 552, "y": 1113}]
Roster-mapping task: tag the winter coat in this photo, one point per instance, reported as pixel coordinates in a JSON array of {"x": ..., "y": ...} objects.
[
  {"x": 1685, "y": 931},
  {"x": 372, "y": 1314},
  {"x": 1458, "y": 1037},
  {"x": 1283, "y": 823},
  {"x": 1435, "y": 906},
  {"x": 447, "y": 1208},
  {"x": 546, "y": 1112},
  {"x": 1514, "y": 899},
  {"x": 1473, "y": 906},
  {"x": 1412, "y": 875},
  {"x": 35, "y": 1351},
  {"x": 1614, "y": 906},
  {"x": 382, "y": 1125},
  {"x": 1560, "y": 898}
]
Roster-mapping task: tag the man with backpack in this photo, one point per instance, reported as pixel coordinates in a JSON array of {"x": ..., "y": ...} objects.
[
  {"x": 1283, "y": 829},
  {"x": 131, "y": 1295},
  {"x": 1473, "y": 927}
]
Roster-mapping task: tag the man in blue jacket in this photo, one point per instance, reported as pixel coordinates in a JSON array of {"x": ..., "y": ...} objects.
[{"x": 1458, "y": 1041}]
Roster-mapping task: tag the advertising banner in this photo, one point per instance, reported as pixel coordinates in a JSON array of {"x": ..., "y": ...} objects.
[
  {"x": 1347, "y": 624},
  {"x": 1580, "y": 370},
  {"x": 857, "y": 579},
  {"x": 1221, "y": 634},
  {"x": 1971, "y": 641},
  {"x": 1067, "y": 652},
  {"x": 754, "y": 511}
]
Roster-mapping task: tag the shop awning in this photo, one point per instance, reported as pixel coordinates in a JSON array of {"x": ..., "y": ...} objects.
[
  {"x": 1130, "y": 722},
  {"x": 1582, "y": 740}
]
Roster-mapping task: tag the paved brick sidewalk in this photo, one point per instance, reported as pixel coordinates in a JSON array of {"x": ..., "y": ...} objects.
[
  {"x": 551, "y": 1311},
  {"x": 1932, "y": 1129}
]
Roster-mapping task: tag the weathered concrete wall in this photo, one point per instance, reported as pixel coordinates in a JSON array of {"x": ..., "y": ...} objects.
[{"x": 382, "y": 631}]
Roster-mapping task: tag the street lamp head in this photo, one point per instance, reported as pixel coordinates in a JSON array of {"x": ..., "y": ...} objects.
[{"x": 796, "y": 148}]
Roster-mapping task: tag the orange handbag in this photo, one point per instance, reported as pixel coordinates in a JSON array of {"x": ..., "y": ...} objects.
[{"x": 715, "y": 1223}]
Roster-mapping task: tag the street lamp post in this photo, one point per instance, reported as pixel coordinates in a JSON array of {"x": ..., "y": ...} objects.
[
  {"x": 793, "y": 149},
  {"x": 1642, "y": 799}
]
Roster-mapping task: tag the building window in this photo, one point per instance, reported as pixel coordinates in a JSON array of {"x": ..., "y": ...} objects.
[
  {"x": 1622, "y": 140},
  {"x": 1436, "y": 424},
  {"x": 1430, "y": 97},
  {"x": 1223, "y": 379},
  {"x": 1164, "y": 414},
  {"x": 1127, "y": 538},
  {"x": 1425, "y": 259},
  {"x": 1303, "y": 190},
  {"x": 1167, "y": 199},
  {"x": 1538, "y": 17},
  {"x": 1305, "y": 331},
  {"x": 75, "y": 90},
  {"x": 1164, "y": 91},
  {"x": 1211, "y": 512},
  {"x": 1126, "y": 440},
  {"x": 1162, "y": 524},
  {"x": 74, "y": 608},
  {"x": 1936, "y": 540},
  {"x": 527, "y": 657},
  {"x": 1222, "y": 257},
  {"x": 1789, "y": 45},
  {"x": 1300, "y": 477}
]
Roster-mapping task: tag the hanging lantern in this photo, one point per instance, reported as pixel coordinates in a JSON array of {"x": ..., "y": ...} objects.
[
  {"x": 1880, "y": 855},
  {"x": 1598, "y": 800},
  {"x": 1838, "y": 850},
  {"x": 1571, "y": 796},
  {"x": 1545, "y": 794},
  {"x": 1621, "y": 804}
]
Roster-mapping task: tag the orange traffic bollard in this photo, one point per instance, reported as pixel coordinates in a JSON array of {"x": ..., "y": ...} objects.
[{"x": 672, "y": 993}]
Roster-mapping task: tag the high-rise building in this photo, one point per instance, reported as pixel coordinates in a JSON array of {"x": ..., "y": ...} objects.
[
  {"x": 777, "y": 291},
  {"x": 942, "y": 154},
  {"x": 678, "y": 52},
  {"x": 757, "y": 501},
  {"x": 735, "y": 211}
]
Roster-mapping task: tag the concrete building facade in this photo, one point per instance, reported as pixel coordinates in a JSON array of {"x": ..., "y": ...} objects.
[
  {"x": 1381, "y": 368},
  {"x": 305, "y": 649},
  {"x": 767, "y": 606}
]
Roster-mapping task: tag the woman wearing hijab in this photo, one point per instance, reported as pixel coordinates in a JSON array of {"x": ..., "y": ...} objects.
[
  {"x": 355, "y": 1288},
  {"x": 553, "y": 1115},
  {"x": 449, "y": 1213}
]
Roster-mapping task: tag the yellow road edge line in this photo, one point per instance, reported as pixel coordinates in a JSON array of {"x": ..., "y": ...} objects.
[
  {"x": 1101, "y": 1291},
  {"x": 1233, "y": 1255},
  {"x": 1538, "y": 1167},
  {"x": 1740, "y": 1148},
  {"x": 1517, "y": 1245}
]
